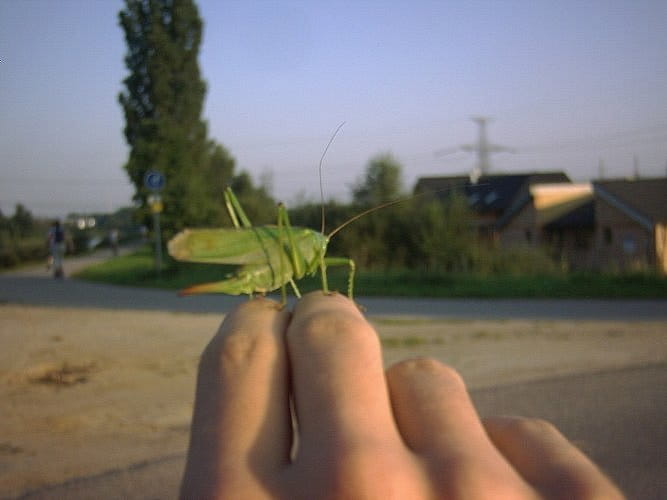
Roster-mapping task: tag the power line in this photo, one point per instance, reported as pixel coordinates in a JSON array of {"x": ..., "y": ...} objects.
[{"x": 594, "y": 141}]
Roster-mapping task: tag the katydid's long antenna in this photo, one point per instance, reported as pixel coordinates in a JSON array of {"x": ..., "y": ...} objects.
[
  {"x": 395, "y": 202},
  {"x": 368, "y": 211},
  {"x": 320, "y": 170}
]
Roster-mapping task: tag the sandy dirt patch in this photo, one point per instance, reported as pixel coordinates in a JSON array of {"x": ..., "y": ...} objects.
[{"x": 86, "y": 391}]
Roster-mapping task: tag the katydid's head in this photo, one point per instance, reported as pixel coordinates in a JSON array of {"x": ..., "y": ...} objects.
[
  {"x": 320, "y": 242},
  {"x": 324, "y": 243}
]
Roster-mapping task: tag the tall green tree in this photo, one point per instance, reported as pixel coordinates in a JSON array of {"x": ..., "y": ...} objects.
[
  {"x": 162, "y": 101},
  {"x": 374, "y": 240},
  {"x": 381, "y": 182},
  {"x": 22, "y": 221}
]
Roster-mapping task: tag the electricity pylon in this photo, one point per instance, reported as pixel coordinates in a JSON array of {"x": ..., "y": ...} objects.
[{"x": 483, "y": 148}]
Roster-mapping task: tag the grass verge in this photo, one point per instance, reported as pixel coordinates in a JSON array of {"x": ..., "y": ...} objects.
[{"x": 138, "y": 269}]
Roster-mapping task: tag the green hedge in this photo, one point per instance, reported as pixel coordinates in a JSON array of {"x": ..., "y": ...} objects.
[{"x": 14, "y": 252}]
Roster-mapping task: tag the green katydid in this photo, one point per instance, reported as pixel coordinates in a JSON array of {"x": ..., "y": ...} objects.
[{"x": 270, "y": 256}]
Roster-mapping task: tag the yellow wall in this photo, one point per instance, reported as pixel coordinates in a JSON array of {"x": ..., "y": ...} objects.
[{"x": 661, "y": 247}]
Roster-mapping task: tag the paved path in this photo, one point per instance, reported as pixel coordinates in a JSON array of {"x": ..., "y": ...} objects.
[
  {"x": 628, "y": 439},
  {"x": 35, "y": 286}
]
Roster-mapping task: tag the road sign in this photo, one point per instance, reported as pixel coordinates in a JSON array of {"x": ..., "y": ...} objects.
[
  {"x": 154, "y": 180},
  {"x": 155, "y": 203}
]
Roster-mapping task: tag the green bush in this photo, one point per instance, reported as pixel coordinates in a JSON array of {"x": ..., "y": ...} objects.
[
  {"x": 517, "y": 261},
  {"x": 15, "y": 251}
]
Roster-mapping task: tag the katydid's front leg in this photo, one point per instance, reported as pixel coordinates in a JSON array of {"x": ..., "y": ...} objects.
[{"x": 338, "y": 261}]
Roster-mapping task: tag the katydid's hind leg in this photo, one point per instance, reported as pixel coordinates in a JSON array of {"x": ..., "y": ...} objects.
[
  {"x": 281, "y": 245},
  {"x": 231, "y": 212},
  {"x": 296, "y": 259},
  {"x": 235, "y": 210},
  {"x": 339, "y": 261}
]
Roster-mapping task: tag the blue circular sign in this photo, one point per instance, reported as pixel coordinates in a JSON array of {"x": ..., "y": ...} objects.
[{"x": 154, "y": 180}]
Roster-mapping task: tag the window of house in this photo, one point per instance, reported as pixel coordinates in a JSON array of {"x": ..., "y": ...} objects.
[
  {"x": 582, "y": 239},
  {"x": 629, "y": 245},
  {"x": 607, "y": 236}
]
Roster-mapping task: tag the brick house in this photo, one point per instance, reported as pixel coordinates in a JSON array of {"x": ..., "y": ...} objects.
[
  {"x": 631, "y": 224},
  {"x": 559, "y": 217},
  {"x": 604, "y": 225},
  {"x": 492, "y": 196}
]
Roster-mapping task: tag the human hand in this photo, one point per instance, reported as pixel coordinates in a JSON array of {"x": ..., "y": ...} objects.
[{"x": 409, "y": 433}]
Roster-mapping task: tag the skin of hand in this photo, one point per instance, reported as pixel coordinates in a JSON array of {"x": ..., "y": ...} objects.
[{"x": 408, "y": 433}]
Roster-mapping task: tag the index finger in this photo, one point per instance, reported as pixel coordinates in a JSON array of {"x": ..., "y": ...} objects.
[{"x": 241, "y": 428}]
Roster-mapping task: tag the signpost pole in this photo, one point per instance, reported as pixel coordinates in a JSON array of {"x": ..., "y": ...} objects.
[
  {"x": 155, "y": 181},
  {"x": 158, "y": 242}
]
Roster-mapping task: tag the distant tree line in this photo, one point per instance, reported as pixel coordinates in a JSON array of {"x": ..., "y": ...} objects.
[{"x": 22, "y": 237}]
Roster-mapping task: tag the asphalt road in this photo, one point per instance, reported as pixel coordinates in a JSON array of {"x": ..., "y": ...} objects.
[
  {"x": 39, "y": 289},
  {"x": 628, "y": 439}
]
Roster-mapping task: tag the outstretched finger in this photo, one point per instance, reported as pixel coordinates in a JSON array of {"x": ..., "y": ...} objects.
[
  {"x": 241, "y": 429},
  {"x": 547, "y": 460},
  {"x": 438, "y": 421},
  {"x": 338, "y": 378}
]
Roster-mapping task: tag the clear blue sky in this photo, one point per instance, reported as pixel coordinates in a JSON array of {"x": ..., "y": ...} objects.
[{"x": 567, "y": 83}]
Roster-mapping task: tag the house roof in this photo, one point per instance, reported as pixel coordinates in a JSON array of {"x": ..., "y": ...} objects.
[
  {"x": 644, "y": 200},
  {"x": 491, "y": 193}
]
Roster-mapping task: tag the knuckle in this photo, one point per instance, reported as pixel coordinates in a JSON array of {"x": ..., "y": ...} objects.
[
  {"x": 326, "y": 328},
  {"x": 426, "y": 367},
  {"x": 239, "y": 348},
  {"x": 236, "y": 349},
  {"x": 530, "y": 426},
  {"x": 246, "y": 333}
]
